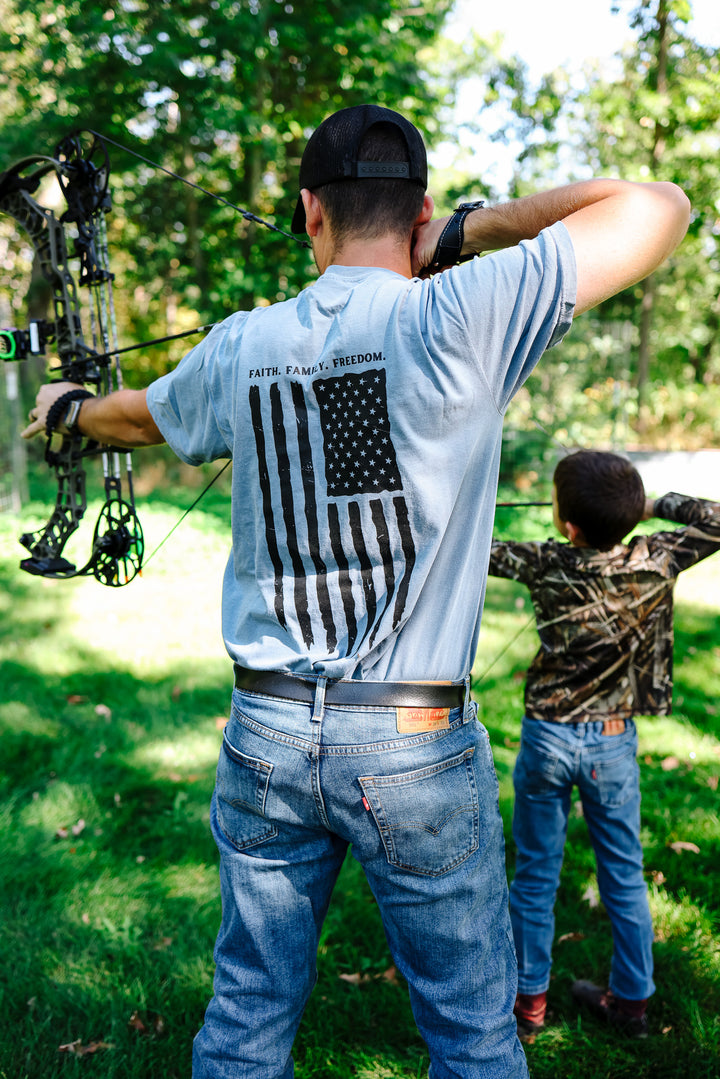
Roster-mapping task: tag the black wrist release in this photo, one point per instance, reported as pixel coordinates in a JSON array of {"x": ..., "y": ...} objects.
[{"x": 447, "y": 252}]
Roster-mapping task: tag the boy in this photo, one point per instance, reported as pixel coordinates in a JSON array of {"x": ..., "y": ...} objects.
[{"x": 604, "y": 617}]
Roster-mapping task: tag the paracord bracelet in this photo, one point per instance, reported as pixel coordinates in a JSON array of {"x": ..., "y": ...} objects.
[{"x": 58, "y": 408}]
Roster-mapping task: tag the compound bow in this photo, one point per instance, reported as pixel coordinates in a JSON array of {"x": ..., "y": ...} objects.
[{"x": 80, "y": 163}]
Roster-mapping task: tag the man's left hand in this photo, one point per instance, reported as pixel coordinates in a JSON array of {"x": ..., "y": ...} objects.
[{"x": 47, "y": 396}]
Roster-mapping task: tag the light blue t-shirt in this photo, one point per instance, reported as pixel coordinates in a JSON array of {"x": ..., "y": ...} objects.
[{"x": 364, "y": 420}]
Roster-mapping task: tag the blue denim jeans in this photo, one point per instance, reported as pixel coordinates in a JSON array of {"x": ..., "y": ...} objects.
[
  {"x": 553, "y": 758},
  {"x": 296, "y": 786}
]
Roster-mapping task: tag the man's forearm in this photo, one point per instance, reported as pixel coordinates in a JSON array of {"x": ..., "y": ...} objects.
[
  {"x": 620, "y": 230},
  {"x": 509, "y": 223},
  {"x": 121, "y": 419}
]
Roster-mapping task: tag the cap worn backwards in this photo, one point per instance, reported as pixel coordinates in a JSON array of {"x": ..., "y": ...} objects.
[{"x": 332, "y": 150}]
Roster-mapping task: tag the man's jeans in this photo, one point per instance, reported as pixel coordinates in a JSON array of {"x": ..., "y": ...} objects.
[
  {"x": 553, "y": 757},
  {"x": 295, "y": 787}
]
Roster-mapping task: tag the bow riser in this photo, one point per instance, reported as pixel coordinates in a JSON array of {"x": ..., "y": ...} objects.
[{"x": 47, "y": 236}]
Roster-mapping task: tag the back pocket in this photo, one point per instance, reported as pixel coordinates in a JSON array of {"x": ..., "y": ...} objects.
[
  {"x": 242, "y": 786},
  {"x": 428, "y": 818}
]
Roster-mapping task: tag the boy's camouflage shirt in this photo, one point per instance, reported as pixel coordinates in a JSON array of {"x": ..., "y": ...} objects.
[{"x": 605, "y": 618}]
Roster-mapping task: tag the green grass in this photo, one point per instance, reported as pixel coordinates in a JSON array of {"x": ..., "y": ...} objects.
[{"x": 110, "y": 714}]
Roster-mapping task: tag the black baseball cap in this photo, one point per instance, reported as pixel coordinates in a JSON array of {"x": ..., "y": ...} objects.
[{"x": 332, "y": 153}]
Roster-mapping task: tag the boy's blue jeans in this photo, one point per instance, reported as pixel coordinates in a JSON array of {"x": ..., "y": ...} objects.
[
  {"x": 553, "y": 758},
  {"x": 295, "y": 787}
]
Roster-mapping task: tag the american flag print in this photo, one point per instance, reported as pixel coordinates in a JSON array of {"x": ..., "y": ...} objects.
[{"x": 335, "y": 516}]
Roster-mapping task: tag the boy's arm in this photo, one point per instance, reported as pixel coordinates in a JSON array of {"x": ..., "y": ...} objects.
[
  {"x": 701, "y": 535},
  {"x": 516, "y": 561}
]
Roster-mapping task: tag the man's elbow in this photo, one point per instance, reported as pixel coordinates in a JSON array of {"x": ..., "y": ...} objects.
[{"x": 681, "y": 206}]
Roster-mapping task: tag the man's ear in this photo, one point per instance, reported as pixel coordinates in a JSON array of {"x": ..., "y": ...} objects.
[
  {"x": 425, "y": 215},
  {"x": 313, "y": 212}
]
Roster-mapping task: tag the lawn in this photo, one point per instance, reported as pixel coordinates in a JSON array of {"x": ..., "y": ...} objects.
[{"x": 111, "y": 714}]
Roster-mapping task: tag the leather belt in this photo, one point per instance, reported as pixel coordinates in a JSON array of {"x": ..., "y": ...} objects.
[{"x": 353, "y": 691}]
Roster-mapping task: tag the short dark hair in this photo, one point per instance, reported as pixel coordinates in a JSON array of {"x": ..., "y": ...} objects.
[
  {"x": 601, "y": 493},
  {"x": 371, "y": 208}
]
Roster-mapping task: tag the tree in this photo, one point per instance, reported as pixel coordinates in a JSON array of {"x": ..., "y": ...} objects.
[{"x": 658, "y": 118}]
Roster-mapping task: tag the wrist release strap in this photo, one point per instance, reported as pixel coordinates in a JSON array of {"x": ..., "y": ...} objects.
[{"x": 449, "y": 246}]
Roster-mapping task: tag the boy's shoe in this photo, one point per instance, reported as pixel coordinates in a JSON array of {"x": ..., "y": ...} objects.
[
  {"x": 527, "y": 1029},
  {"x": 529, "y": 1013},
  {"x": 606, "y": 1006}
]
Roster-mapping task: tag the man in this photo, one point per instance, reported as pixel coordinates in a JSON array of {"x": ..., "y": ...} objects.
[{"x": 364, "y": 421}]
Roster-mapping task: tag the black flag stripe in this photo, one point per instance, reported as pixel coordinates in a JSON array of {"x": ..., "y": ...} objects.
[
  {"x": 270, "y": 535},
  {"x": 383, "y": 539},
  {"x": 311, "y": 517},
  {"x": 288, "y": 509},
  {"x": 408, "y": 547},
  {"x": 343, "y": 576}
]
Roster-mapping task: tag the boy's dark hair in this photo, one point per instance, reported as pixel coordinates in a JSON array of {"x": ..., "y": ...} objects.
[
  {"x": 601, "y": 493},
  {"x": 370, "y": 208}
]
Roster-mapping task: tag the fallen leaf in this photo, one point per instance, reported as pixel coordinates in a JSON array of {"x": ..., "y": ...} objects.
[
  {"x": 571, "y": 936},
  {"x": 103, "y": 710},
  {"x": 669, "y": 764},
  {"x": 713, "y": 783},
  {"x": 355, "y": 979},
  {"x": 76, "y": 698},
  {"x": 658, "y": 877},
  {"x": 149, "y": 1024},
  {"x": 681, "y": 844},
  {"x": 511, "y": 743},
  {"x": 79, "y": 1050},
  {"x": 390, "y": 975}
]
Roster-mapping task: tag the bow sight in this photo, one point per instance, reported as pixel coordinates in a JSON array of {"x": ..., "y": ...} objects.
[{"x": 81, "y": 167}]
